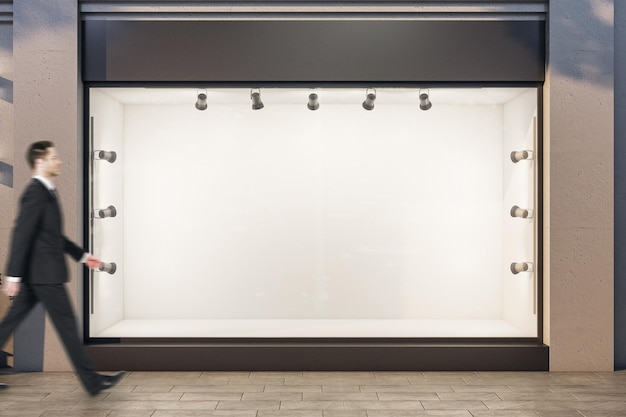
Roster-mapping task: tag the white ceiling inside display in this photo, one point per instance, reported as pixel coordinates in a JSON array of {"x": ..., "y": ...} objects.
[{"x": 300, "y": 95}]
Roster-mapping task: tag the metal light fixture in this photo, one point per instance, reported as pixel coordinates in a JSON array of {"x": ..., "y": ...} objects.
[
  {"x": 522, "y": 213},
  {"x": 517, "y": 267},
  {"x": 370, "y": 97},
  {"x": 108, "y": 267},
  {"x": 107, "y": 212},
  {"x": 425, "y": 103},
  {"x": 109, "y": 156},
  {"x": 201, "y": 103},
  {"x": 255, "y": 96},
  {"x": 313, "y": 103},
  {"x": 517, "y": 156}
]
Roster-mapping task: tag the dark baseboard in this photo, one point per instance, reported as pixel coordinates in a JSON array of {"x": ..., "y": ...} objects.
[{"x": 531, "y": 356}]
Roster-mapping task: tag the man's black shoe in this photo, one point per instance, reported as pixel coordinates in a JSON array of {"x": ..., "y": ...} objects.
[
  {"x": 108, "y": 381},
  {"x": 3, "y": 386}
]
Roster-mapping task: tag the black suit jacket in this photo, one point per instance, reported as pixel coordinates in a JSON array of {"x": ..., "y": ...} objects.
[{"x": 38, "y": 246}]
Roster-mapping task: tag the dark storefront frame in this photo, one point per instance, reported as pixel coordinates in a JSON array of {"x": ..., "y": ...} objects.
[{"x": 461, "y": 54}]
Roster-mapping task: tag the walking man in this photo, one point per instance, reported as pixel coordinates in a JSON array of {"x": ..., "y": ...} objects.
[{"x": 37, "y": 270}]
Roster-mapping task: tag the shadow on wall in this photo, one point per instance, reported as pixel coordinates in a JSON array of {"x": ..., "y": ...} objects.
[
  {"x": 592, "y": 58},
  {"x": 6, "y": 94},
  {"x": 6, "y": 174},
  {"x": 6, "y": 90}
]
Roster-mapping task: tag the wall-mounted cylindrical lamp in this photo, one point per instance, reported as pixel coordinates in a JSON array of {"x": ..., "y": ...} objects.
[
  {"x": 313, "y": 103},
  {"x": 370, "y": 98},
  {"x": 109, "y": 156},
  {"x": 425, "y": 103},
  {"x": 201, "y": 103},
  {"x": 517, "y": 267},
  {"x": 107, "y": 212},
  {"x": 522, "y": 213},
  {"x": 517, "y": 156},
  {"x": 255, "y": 96},
  {"x": 108, "y": 267}
]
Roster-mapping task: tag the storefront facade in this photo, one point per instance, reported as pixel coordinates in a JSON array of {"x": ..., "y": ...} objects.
[{"x": 476, "y": 234}]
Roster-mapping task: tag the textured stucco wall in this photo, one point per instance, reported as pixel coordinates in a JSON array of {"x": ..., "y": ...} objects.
[
  {"x": 45, "y": 54},
  {"x": 579, "y": 185}
]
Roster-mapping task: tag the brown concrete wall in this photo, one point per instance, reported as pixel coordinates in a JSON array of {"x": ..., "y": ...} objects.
[
  {"x": 579, "y": 186},
  {"x": 45, "y": 54}
]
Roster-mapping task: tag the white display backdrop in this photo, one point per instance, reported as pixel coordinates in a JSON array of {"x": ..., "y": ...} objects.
[{"x": 390, "y": 221}]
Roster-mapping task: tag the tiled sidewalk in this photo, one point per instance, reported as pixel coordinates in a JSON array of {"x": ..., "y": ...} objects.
[{"x": 322, "y": 394}]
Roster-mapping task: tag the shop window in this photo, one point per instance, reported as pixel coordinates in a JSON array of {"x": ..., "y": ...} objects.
[{"x": 287, "y": 222}]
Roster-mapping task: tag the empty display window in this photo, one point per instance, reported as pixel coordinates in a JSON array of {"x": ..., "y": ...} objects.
[{"x": 361, "y": 218}]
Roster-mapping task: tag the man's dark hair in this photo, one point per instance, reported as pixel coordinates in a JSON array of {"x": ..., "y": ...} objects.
[{"x": 37, "y": 150}]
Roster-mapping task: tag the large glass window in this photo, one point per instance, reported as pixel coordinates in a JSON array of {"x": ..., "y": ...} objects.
[{"x": 394, "y": 222}]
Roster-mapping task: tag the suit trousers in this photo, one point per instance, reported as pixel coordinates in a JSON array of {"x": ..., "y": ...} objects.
[{"x": 56, "y": 302}]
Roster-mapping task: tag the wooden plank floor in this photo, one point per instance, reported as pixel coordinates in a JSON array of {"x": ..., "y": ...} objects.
[{"x": 321, "y": 394}]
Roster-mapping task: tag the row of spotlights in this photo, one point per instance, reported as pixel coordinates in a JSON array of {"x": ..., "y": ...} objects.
[
  {"x": 314, "y": 104},
  {"x": 370, "y": 98}
]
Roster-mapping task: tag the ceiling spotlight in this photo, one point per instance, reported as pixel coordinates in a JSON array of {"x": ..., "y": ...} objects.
[
  {"x": 201, "y": 103},
  {"x": 425, "y": 103},
  {"x": 255, "y": 96},
  {"x": 313, "y": 103},
  {"x": 370, "y": 97}
]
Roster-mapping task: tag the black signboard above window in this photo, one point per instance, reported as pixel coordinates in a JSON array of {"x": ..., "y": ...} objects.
[{"x": 335, "y": 51}]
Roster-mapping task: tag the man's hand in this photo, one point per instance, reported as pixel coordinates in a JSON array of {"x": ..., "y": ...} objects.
[
  {"x": 92, "y": 262},
  {"x": 11, "y": 288}
]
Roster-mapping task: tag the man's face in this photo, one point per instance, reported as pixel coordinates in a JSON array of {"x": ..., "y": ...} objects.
[{"x": 51, "y": 163}]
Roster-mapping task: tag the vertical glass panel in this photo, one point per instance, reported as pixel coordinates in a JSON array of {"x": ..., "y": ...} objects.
[{"x": 335, "y": 222}]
